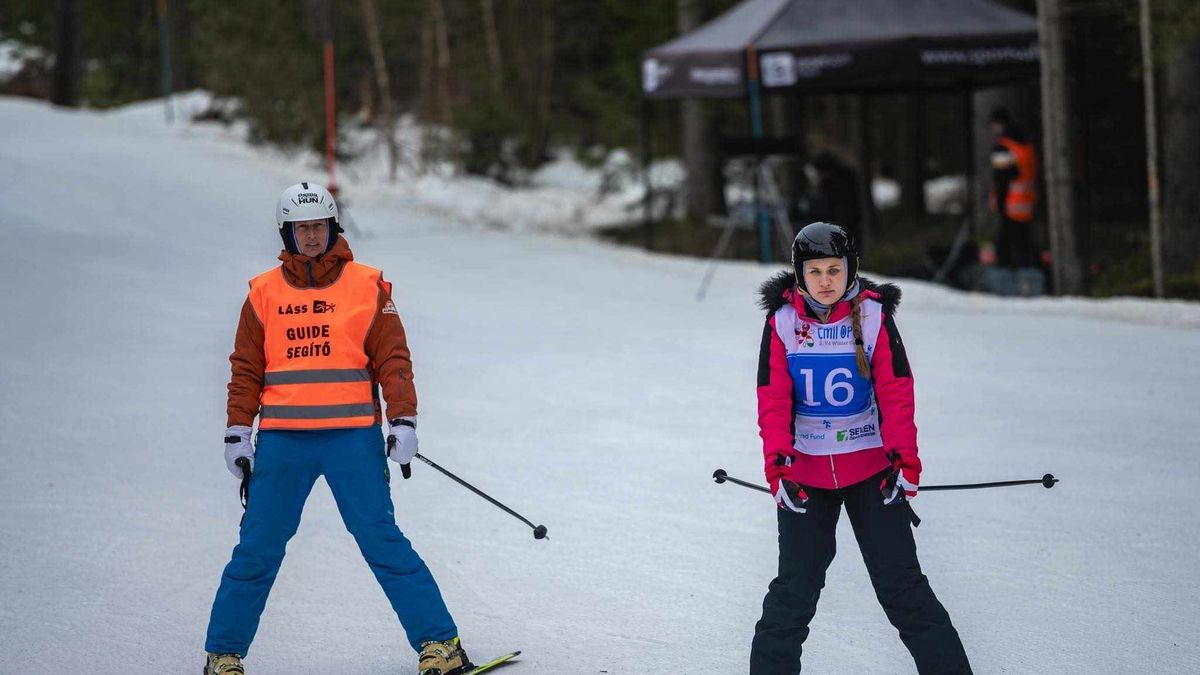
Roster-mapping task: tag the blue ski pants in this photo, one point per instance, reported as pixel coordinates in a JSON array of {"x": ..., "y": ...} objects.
[{"x": 286, "y": 465}]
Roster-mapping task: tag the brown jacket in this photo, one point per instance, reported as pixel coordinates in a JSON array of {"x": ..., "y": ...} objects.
[{"x": 386, "y": 345}]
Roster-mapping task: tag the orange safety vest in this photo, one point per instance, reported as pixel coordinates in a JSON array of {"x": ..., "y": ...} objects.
[
  {"x": 1022, "y": 191},
  {"x": 317, "y": 370}
]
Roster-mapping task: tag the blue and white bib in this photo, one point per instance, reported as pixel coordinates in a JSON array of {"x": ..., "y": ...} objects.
[{"x": 835, "y": 410}]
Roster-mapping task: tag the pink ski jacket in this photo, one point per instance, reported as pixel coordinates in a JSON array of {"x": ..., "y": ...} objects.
[{"x": 891, "y": 381}]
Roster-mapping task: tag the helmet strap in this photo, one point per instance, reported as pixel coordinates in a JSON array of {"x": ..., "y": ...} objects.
[{"x": 288, "y": 234}]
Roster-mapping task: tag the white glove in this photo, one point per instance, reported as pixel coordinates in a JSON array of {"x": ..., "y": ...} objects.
[
  {"x": 791, "y": 496},
  {"x": 402, "y": 442},
  {"x": 237, "y": 445}
]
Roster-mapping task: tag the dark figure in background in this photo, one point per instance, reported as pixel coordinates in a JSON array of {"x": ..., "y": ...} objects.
[
  {"x": 1014, "y": 192},
  {"x": 836, "y": 199}
]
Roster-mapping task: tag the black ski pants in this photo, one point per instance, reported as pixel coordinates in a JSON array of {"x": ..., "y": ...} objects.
[
  {"x": 1015, "y": 247},
  {"x": 807, "y": 545}
]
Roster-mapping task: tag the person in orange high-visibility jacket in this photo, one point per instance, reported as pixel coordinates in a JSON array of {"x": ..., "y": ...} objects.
[
  {"x": 319, "y": 337},
  {"x": 1014, "y": 192}
]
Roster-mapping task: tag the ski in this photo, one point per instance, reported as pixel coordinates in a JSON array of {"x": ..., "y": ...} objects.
[{"x": 496, "y": 662}]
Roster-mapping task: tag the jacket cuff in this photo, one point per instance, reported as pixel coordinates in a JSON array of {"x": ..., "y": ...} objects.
[{"x": 408, "y": 421}]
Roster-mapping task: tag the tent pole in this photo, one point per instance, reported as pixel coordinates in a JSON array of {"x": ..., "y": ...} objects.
[
  {"x": 968, "y": 112},
  {"x": 647, "y": 198},
  {"x": 756, "y": 132}
]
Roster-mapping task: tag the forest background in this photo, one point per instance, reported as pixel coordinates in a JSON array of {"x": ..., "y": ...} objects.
[{"x": 503, "y": 85}]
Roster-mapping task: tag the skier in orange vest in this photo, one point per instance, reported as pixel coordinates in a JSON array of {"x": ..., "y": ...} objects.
[
  {"x": 1014, "y": 193},
  {"x": 319, "y": 336}
]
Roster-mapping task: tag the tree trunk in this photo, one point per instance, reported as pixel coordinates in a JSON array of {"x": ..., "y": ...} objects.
[
  {"x": 1056, "y": 126},
  {"x": 425, "y": 105},
  {"x": 442, "y": 42},
  {"x": 1181, "y": 146},
  {"x": 182, "y": 27},
  {"x": 1151, "y": 118},
  {"x": 68, "y": 54},
  {"x": 384, "y": 119},
  {"x": 697, "y": 154},
  {"x": 545, "y": 89},
  {"x": 492, "y": 41}
]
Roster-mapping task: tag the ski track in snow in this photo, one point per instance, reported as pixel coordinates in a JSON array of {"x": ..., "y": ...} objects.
[{"x": 577, "y": 382}]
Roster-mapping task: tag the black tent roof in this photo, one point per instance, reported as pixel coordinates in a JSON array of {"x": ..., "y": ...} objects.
[{"x": 846, "y": 45}]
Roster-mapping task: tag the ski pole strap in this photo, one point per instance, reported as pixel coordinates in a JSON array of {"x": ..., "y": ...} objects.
[
  {"x": 244, "y": 492},
  {"x": 912, "y": 515}
]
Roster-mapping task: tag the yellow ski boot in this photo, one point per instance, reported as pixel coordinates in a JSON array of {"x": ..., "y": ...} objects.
[
  {"x": 224, "y": 664},
  {"x": 443, "y": 658}
]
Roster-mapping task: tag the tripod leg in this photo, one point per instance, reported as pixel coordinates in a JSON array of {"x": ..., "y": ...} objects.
[{"x": 718, "y": 252}]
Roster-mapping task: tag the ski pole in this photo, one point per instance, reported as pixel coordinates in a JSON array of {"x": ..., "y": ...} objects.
[
  {"x": 539, "y": 531},
  {"x": 1048, "y": 480}
]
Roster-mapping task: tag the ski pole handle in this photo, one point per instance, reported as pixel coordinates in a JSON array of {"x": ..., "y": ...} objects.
[{"x": 719, "y": 476}]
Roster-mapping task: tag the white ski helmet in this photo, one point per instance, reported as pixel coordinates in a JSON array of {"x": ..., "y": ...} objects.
[{"x": 305, "y": 201}]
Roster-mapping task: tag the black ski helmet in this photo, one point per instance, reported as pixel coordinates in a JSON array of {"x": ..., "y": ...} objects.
[{"x": 823, "y": 240}]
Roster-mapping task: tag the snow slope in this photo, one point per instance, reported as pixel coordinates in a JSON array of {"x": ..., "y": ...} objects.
[{"x": 579, "y": 383}]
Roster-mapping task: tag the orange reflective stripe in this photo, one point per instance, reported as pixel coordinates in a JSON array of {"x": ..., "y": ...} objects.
[{"x": 317, "y": 372}]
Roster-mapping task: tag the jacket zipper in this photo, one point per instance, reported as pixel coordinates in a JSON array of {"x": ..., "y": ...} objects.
[
  {"x": 833, "y": 470},
  {"x": 311, "y": 279}
]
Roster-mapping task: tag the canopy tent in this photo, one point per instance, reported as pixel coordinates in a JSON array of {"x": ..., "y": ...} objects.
[
  {"x": 842, "y": 46},
  {"x": 846, "y": 45}
]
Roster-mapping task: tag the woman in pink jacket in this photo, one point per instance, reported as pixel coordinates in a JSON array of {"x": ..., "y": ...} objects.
[{"x": 835, "y": 412}]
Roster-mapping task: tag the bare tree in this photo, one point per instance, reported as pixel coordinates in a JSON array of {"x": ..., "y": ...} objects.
[
  {"x": 1056, "y": 125},
  {"x": 697, "y": 155},
  {"x": 385, "y": 119},
  {"x": 492, "y": 40},
  {"x": 437, "y": 11},
  {"x": 533, "y": 69},
  {"x": 545, "y": 88},
  {"x": 68, "y": 53},
  {"x": 1181, "y": 198},
  {"x": 425, "y": 74},
  {"x": 1156, "y": 264}
]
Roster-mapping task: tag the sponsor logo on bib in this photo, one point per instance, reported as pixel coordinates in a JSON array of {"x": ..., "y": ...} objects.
[
  {"x": 855, "y": 433},
  {"x": 804, "y": 335}
]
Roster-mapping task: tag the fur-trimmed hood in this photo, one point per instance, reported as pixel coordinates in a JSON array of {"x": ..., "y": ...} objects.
[{"x": 779, "y": 291}]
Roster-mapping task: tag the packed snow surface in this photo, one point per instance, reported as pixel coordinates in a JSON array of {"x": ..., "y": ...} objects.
[{"x": 580, "y": 383}]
